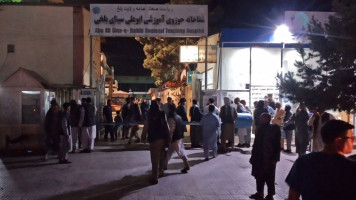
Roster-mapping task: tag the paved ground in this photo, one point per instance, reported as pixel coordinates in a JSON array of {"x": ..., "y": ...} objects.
[{"x": 118, "y": 171}]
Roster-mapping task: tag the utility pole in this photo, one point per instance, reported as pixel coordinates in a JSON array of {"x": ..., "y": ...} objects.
[
  {"x": 91, "y": 62},
  {"x": 206, "y": 63}
]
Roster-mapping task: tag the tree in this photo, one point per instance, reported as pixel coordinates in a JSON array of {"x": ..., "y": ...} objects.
[
  {"x": 162, "y": 54},
  {"x": 331, "y": 83},
  {"x": 162, "y": 57}
]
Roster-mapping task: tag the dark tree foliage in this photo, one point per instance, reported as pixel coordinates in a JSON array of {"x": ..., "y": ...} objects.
[
  {"x": 331, "y": 83},
  {"x": 162, "y": 54},
  {"x": 162, "y": 57}
]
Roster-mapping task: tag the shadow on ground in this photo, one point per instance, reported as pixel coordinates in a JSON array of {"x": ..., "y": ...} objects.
[
  {"x": 180, "y": 165},
  {"x": 108, "y": 191},
  {"x": 29, "y": 163}
]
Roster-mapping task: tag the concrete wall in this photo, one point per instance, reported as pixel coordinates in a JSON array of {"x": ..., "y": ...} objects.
[{"x": 43, "y": 39}]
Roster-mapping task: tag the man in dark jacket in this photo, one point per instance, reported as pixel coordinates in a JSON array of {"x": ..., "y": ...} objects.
[
  {"x": 265, "y": 155},
  {"x": 125, "y": 118},
  {"x": 195, "y": 130},
  {"x": 156, "y": 127},
  {"x": 107, "y": 114},
  {"x": 228, "y": 117},
  {"x": 65, "y": 135},
  {"x": 301, "y": 130},
  {"x": 135, "y": 117},
  {"x": 89, "y": 127}
]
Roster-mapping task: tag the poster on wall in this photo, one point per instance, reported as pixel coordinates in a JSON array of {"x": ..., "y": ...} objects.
[{"x": 148, "y": 20}]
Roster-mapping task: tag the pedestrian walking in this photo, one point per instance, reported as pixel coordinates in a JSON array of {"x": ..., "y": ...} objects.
[
  {"x": 176, "y": 128},
  {"x": 181, "y": 111},
  {"x": 210, "y": 124},
  {"x": 134, "y": 117},
  {"x": 157, "y": 129}
]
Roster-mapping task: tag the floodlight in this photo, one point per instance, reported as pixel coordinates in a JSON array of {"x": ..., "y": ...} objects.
[{"x": 282, "y": 34}]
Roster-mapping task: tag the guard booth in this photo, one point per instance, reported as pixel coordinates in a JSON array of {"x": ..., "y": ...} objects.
[{"x": 24, "y": 100}]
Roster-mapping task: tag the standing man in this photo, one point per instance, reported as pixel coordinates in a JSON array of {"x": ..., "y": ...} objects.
[
  {"x": 279, "y": 118},
  {"x": 166, "y": 105},
  {"x": 327, "y": 174},
  {"x": 210, "y": 124},
  {"x": 107, "y": 114},
  {"x": 264, "y": 157},
  {"x": 270, "y": 110},
  {"x": 52, "y": 127},
  {"x": 135, "y": 117},
  {"x": 317, "y": 121},
  {"x": 181, "y": 111},
  {"x": 228, "y": 117},
  {"x": 65, "y": 135},
  {"x": 195, "y": 130},
  {"x": 301, "y": 130},
  {"x": 288, "y": 121},
  {"x": 248, "y": 135},
  {"x": 240, "y": 132},
  {"x": 144, "y": 108},
  {"x": 89, "y": 127},
  {"x": 125, "y": 118},
  {"x": 159, "y": 102},
  {"x": 211, "y": 102},
  {"x": 74, "y": 122},
  {"x": 271, "y": 102}
]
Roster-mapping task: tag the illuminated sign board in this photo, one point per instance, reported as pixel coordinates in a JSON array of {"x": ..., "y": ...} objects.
[
  {"x": 148, "y": 20},
  {"x": 196, "y": 54}
]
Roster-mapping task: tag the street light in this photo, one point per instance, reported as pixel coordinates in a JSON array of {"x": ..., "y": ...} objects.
[{"x": 282, "y": 34}]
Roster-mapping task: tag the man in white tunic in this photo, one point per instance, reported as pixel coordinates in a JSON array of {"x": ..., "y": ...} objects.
[
  {"x": 317, "y": 121},
  {"x": 206, "y": 108},
  {"x": 210, "y": 124}
]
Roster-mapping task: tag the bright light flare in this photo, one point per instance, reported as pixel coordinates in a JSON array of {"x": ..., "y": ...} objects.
[{"x": 282, "y": 34}]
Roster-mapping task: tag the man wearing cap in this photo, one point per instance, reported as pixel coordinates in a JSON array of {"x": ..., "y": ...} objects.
[{"x": 327, "y": 174}]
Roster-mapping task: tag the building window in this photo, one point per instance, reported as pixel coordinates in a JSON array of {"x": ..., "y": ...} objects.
[
  {"x": 31, "y": 107},
  {"x": 10, "y": 48}
]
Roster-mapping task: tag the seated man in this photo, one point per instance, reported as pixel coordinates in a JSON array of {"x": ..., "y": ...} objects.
[{"x": 327, "y": 174}]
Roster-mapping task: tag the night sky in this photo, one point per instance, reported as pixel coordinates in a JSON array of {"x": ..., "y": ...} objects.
[{"x": 127, "y": 56}]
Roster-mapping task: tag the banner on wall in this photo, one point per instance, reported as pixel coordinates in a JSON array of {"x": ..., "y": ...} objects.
[{"x": 148, "y": 20}]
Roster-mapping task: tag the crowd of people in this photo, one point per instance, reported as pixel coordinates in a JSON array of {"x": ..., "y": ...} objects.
[
  {"x": 69, "y": 128},
  {"x": 213, "y": 128}
]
